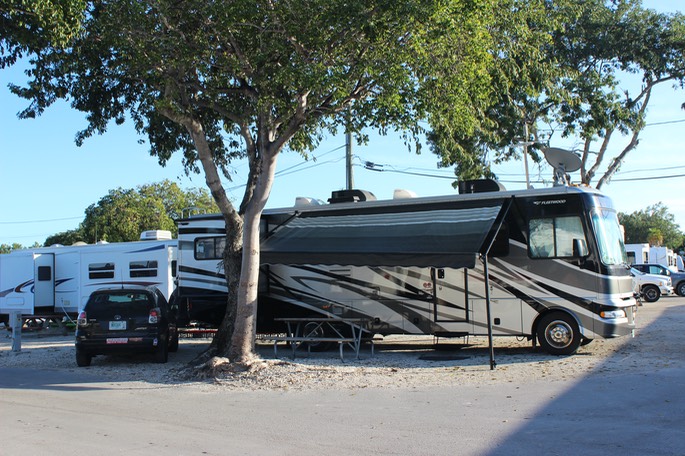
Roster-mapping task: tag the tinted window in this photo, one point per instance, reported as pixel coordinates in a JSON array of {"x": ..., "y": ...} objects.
[
  {"x": 101, "y": 270},
  {"x": 143, "y": 268},
  {"x": 553, "y": 236},
  {"x": 44, "y": 273},
  {"x": 211, "y": 248}
]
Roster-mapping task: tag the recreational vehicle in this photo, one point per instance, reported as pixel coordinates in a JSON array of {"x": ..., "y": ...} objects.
[
  {"x": 57, "y": 280},
  {"x": 546, "y": 264}
]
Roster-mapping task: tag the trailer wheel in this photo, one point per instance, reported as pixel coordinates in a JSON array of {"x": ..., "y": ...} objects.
[
  {"x": 651, "y": 293},
  {"x": 83, "y": 358},
  {"x": 558, "y": 334}
]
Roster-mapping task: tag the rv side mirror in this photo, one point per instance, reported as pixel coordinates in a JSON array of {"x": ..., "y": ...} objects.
[{"x": 580, "y": 248}]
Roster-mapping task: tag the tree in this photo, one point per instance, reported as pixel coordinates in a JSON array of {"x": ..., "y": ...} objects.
[
  {"x": 223, "y": 80},
  {"x": 26, "y": 27},
  {"x": 652, "y": 224},
  {"x": 123, "y": 214},
  {"x": 566, "y": 70}
]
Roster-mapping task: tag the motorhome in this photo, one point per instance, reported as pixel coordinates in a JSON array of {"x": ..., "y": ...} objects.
[
  {"x": 546, "y": 264},
  {"x": 57, "y": 280}
]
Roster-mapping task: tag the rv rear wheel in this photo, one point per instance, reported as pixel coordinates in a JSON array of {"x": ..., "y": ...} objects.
[
  {"x": 558, "y": 334},
  {"x": 315, "y": 330}
]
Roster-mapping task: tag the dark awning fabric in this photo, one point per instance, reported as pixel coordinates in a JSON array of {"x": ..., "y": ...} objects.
[{"x": 439, "y": 237}]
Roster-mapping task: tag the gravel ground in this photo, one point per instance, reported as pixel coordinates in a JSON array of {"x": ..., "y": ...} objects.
[{"x": 398, "y": 362}]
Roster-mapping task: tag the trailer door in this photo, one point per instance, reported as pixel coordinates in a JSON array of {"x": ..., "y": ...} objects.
[
  {"x": 44, "y": 280},
  {"x": 449, "y": 295}
]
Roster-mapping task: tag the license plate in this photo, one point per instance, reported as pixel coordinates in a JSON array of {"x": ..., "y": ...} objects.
[
  {"x": 114, "y": 325},
  {"x": 117, "y": 340}
]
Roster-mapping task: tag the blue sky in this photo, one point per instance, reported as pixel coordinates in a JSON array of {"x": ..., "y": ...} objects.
[{"x": 47, "y": 182}]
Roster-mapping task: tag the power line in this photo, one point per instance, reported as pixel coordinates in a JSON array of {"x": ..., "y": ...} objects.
[{"x": 41, "y": 221}]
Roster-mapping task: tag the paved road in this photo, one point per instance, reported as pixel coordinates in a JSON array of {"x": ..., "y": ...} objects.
[{"x": 68, "y": 412}]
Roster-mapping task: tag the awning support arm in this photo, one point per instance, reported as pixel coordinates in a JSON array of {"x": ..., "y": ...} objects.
[{"x": 484, "y": 259}]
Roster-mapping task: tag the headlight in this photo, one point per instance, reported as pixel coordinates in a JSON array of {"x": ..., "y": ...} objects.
[{"x": 611, "y": 314}]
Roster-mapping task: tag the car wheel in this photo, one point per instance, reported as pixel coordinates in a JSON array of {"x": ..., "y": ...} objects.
[
  {"x": 651, "y": 293},
  {"x": 558, "y": 334},
  {"x": 680, "y": 288},
  {"x": 83, "y": 358},
  {"x": 173, "y": 344},
  {"x": 162, "y": 351}
]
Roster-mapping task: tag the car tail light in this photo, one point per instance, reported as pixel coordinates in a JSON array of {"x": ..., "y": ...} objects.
[
  {"x": 154, "y": 316},
  {"x": 82, "y": 319}
]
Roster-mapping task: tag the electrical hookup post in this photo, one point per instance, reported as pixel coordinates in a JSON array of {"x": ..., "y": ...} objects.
[{"x": 15, "y": 324}]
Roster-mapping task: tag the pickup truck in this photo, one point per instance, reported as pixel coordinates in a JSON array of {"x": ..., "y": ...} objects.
[
  {"x": 651, "y": 286},
  {"x": 677, "y": 278}
]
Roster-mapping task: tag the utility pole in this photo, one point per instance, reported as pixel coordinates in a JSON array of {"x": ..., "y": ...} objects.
[{"x": 348, "y": 161}]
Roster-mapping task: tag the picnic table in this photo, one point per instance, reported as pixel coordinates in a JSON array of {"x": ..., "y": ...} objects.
[{"x": 308, "y": 330}]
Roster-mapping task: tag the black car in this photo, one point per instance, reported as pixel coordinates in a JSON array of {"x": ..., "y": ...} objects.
[{"x": 126, "y": 320}]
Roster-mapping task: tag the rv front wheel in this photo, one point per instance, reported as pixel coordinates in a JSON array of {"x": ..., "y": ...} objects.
[{"x": 558, "y": 334}]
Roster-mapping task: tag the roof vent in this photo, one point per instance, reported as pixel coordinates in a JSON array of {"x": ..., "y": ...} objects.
[
  {"x": 401, "y": 193},
  {"x": 351, "y": 196},
  {"x": 301, "y": 201},
  {"x": 155, "y": 235},
  {"x": 480, "y": 186}
]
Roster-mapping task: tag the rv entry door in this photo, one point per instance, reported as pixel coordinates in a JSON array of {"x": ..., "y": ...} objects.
[
  {"x": 450, "y": 289},
  {"x": 44, "y": 280}
]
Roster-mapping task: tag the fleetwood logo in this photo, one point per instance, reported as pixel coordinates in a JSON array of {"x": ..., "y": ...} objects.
[{"x": 538, "y": 203}]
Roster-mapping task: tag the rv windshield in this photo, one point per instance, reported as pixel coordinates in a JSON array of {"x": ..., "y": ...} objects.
[{"x": 609, "y": 237}]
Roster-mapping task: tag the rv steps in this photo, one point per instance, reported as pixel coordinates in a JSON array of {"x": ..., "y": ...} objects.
[{"x": 448, "y": 334}]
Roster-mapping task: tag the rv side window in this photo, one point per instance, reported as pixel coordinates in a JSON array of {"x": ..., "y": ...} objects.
[
  {"x": 210, "y": 248},
  {"x": 143, "y": 268},
  {"x": 101, "y": 271},
  {"x": 553, "y": 237},
  {"x": 44, "y": 273}
]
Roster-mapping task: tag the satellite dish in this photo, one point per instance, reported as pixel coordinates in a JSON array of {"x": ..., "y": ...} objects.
[{"x": 563, "y": 161}]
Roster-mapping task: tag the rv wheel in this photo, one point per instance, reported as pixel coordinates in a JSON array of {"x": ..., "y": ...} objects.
[
  {"x": 315, "y": 330},
  {"x": 558, "y": 334}
]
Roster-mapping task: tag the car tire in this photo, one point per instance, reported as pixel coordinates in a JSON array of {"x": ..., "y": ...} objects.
[
  {"x": 173, "y": 344},
  {"x": 558, "y": 333},
  {"x": 680, "y": 288},
  {"x": 651, "y": 293},
  {"x": 162, "y": 351},
  {"x": 83, "y": 358}
]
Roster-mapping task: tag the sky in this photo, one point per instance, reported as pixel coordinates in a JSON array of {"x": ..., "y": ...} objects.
[{"x": 47, "y": 182}]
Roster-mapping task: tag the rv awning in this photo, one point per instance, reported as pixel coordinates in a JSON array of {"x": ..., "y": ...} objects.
[{"x": 438, "y": 237}]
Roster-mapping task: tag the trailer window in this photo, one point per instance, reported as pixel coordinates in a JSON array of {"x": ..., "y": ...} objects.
[
  {"x": 44, "y": 273},
  {"x": 101, "y": 271},
  {"x": 552, "y": 237},
  {"x": 210, "y": 248},
  {"x": 143, "y": 268}
]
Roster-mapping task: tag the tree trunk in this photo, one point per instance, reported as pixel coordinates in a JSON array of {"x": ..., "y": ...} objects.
[{"x": 243, "y": 341}]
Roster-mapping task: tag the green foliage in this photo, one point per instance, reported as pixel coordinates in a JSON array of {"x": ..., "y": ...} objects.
[
  {"x": 123, "y": 214},
  {"x": 29, "y": 26},
  {"x": 562, "y": 65},
  {"x": 647, "y": 225},
  {"x": 6, "y": 248}
]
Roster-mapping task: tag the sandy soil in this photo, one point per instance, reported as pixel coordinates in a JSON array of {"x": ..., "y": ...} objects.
[{"x": 398, "y": 362}]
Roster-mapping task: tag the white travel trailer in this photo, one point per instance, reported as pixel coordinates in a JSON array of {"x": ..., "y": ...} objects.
[
  {"x": 546, "y": 264},
  {"x": 57, "y": 280}
]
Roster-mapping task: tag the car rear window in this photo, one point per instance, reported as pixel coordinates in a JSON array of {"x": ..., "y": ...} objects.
[{"x": 137, "y": 301}]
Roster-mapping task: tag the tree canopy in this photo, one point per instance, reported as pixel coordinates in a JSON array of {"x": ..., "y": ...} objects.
[
  {"x": 566, "y": 68},
  {"x": 123, "y": 214},
  {"x": 651, "y": 224},
  {"x": 28, "y": 26}
]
